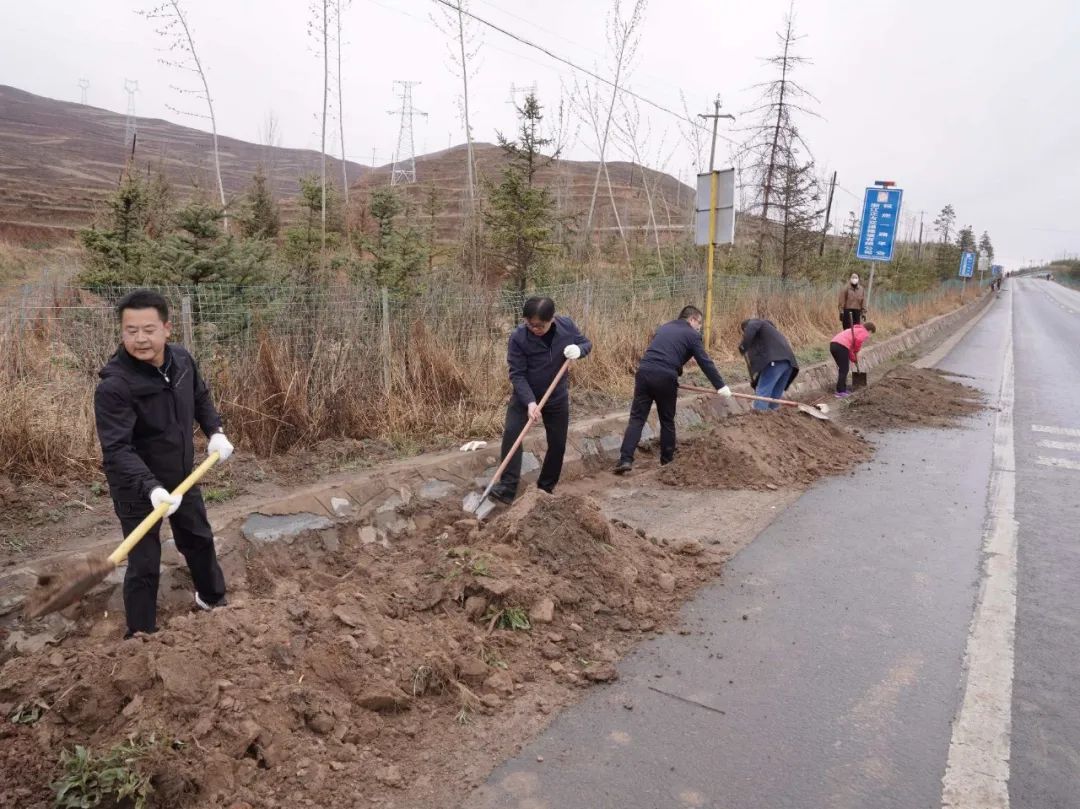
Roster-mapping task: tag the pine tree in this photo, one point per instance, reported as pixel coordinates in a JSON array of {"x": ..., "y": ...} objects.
[
  {"x": 118, "y": 250},
  {"x": 398, "y": 247},
  {"x": 944, "y": 222},
  {"x": 521, "y": 213},
  {"x": 965, "y": 239},
  {"x": 199, "y": 252},
  {"x": 260, "y": 218},
  {"x": 986, "y": 246}
]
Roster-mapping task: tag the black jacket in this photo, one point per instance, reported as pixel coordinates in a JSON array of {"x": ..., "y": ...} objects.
[
  {"x": 763, "y": 344},
  {"x": 533, "y": 364},
  {"x": 672, "y": 347},
  {"x": 144, "y": 422}
]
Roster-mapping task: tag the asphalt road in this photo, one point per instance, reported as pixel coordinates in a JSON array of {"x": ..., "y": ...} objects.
[{"x": 863, "y": 644}]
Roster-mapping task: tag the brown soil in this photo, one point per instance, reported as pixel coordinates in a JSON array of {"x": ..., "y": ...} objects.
[
  {"x": 346, "y": 674},
  {"x": 912, "y": 397},
  {"x": 765, "y": 450}
]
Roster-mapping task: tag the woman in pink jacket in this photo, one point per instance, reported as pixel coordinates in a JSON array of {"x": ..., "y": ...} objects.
[{"x": 844, "y": 348}]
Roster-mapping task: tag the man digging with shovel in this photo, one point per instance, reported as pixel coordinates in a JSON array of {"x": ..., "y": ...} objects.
[
  {"x": 149, "y": 396},
  {"x": 537, "y": 351},
  {"x": 657, "y": 380},
  {"x": 769, "y": 359}
]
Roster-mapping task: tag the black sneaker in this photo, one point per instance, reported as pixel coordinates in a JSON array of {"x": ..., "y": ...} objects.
[
  {"x": 502, "y": 495},
  {"x": 622, "y": 467}
]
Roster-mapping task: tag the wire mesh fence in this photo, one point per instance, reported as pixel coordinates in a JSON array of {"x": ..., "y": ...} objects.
[{"x": 211, "y": 318}]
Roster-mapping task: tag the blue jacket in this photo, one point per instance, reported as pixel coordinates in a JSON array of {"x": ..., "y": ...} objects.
[
  {"x": 533, "y": 365},
  {"x": 672, "y": 347}
]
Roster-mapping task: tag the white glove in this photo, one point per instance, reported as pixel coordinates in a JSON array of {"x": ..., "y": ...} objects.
[
  {"x": 160, "y": 495},
  {"x": 473, "y": 446},
  {"x": 572, "y": 352},
  {"x": 724, "y": 391},
  {"x": 220, "y": 444}
]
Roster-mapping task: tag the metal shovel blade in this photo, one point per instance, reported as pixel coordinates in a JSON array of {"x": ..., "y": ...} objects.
[
  {"x": 858, "y": 380},
  {"x": 815, "y": 412},
  {"x": 478, "y": 504}
]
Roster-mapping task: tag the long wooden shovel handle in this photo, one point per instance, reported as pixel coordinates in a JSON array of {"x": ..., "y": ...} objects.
[
  {"x": 697, "y": 389},
  {"x": 132, "y": 539},
  {"x": 521, "y": 436}
]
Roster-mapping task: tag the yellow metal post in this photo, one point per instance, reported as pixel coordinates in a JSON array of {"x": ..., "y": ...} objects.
[{"x": 713, "y": 180}]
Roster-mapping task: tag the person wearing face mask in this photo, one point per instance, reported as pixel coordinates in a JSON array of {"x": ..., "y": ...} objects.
[
  {"x": 852, "y": 302},
  {"x": 657, "y": 380}
]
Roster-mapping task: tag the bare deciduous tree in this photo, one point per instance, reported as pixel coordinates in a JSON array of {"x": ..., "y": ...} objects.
[
  {"x": 635, "y": 138},
  {"x": 173, "y": 27},
  {"x": 775, "y": 151},
  {"x": 465, "y": 43},
  {"x": 339, "y": 6},
  {"x": 597, "y": 104}
]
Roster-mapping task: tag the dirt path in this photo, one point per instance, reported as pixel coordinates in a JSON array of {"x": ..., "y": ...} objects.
[{"x": 352, "y": 672}]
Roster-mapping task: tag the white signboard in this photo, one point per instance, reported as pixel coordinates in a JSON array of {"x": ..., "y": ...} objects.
[{"x": 725, "y": 208}]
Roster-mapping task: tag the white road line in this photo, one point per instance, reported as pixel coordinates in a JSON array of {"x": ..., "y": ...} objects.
[
  {"x": 1068, "y": 446},
  {"x": 1069, "y": 431},
  {"x": 977, "y": 772},
  {"x": 1060, "y": 463}
]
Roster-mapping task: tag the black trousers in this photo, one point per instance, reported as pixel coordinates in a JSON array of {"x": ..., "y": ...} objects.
[
  {"x": 556, "y": 415},
  {"x": 840, "y": 355},
  {"x": 194, "y": 539},
  {"x": 661, "y": 387},
  {"x": 849, "y": 317}
]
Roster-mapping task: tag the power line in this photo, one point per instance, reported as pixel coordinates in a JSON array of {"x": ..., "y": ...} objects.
[{"x": 576, "y": 67}]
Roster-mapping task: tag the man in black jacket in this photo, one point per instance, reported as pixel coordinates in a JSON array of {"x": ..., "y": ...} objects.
[
  {"x": 657, "y": 380},
  {"x": 771, "y": 361},
  {"x": 149, "y": 396},
  {"x": 536, "y": 352}
]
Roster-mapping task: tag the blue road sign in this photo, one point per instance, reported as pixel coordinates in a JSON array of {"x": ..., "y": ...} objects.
[
  {"x": 995, "y": 269},
  {"x": 967, "y": 264},
  {"x": 880, "y": 221}
]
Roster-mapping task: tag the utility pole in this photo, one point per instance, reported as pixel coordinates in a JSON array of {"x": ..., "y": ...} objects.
[
  {"x": 828, "y": 212},
  {"x": 713, "y": 181},
  {"x": 84, "y": 85},
  {"x": 404, "y": 169},
  {"x": 918, "y": 250}
]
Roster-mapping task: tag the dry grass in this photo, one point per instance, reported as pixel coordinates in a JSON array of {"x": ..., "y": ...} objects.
[{"x": 276, "y": 393}]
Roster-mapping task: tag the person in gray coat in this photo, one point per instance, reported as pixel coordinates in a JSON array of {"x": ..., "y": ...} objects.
[{"x": 769, "y": 358}]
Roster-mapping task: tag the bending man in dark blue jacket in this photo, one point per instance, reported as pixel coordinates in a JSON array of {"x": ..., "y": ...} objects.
[
  {"x": 537, "y": 349},
  {"x": 657, "y": 380},
  {"x": 769, "y": 358},
  {"x": 149, "y": 396}
]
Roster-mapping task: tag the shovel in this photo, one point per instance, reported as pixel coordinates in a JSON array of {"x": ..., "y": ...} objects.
[
  {"x": 858, "y": 378},
  {"x": 474, "y": 501},
  {"x": 56, "y": 591},
  {"x": 820, "y": 411}
]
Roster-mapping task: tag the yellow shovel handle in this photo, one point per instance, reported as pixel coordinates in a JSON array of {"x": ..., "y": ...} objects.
[{"x": 132, "y": 539}]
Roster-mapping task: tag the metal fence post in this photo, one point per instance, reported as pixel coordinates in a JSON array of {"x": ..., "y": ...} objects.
[
  {"x": 386, "y": 339},
  {"x": 186, "y": 326}
]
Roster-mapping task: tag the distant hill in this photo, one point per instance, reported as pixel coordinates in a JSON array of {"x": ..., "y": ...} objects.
[{"x": 59, "y": 159}]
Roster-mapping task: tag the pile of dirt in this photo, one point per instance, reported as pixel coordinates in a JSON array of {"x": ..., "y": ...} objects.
[
  {"x": 762, "y": 449},
  {"x": 346, "y": 671},
  {"x": 913, "y": 397}
]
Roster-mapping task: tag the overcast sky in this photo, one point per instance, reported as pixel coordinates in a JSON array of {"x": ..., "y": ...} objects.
[{"x": 968, "y": 102}]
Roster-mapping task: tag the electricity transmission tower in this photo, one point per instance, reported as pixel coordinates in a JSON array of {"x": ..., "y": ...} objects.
[
  {"x": 84, "y": 85},
  {"x": 131, "y": 87},
  {"x": 515, "y": 90},
  {"x": 404, "y": 170}
]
